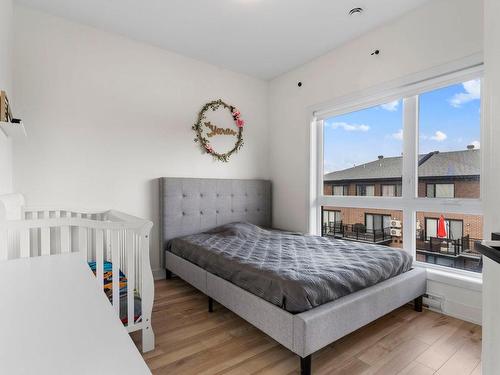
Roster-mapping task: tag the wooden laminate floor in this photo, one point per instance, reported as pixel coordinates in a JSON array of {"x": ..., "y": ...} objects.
[{"x": 189, "y": 340}]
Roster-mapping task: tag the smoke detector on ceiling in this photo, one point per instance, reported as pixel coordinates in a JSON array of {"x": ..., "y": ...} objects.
[{"x": 356, "y": 11}]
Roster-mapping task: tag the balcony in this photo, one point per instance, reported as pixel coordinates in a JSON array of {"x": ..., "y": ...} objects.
[
  {"x": 457, "y": 253},
  {"x": 357, "y": 232}
]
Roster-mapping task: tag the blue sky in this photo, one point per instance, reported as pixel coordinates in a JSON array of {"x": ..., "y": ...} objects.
[{"x": 449, "y": 120}]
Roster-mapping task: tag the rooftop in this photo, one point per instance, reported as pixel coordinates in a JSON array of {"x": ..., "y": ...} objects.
[{"x": 434, "y": 164}]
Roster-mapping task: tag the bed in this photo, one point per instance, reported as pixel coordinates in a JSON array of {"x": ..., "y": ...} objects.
[{"x": 224, "y": 260}]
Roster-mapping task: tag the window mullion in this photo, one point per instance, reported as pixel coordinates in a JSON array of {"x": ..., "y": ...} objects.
[
  {"x": 316, "y": 175},
  {"x": 410, "y": 179}
]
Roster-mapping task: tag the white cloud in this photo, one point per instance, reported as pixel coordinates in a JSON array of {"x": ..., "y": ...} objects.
[
  {"x": 391, "y": 107},
  {"x": 439, "y": 136},
  {"x": 472, "y": 92},
  {"x": 398, "y": 135},
  {"x": 350, "y": 127},
  {"x": 476, "y": 144}
]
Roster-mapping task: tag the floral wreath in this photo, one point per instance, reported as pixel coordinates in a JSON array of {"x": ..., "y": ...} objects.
[{"x": 205, "y": 143}]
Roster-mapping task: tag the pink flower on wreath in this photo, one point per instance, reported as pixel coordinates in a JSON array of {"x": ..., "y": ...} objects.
[
  {"x": 209, "y": 148},
  {"x": 240, "y": 123},
  {"x": 236, "y": 114}
]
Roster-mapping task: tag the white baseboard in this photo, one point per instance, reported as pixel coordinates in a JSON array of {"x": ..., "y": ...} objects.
[
  {"x": 460, "y": 311},
  {"x": 455, "y": 295}
]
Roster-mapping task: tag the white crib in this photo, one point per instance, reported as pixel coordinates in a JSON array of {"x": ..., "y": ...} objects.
[{"x": 110, "y": 236}]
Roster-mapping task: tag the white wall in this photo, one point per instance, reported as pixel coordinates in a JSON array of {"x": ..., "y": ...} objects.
[
  {"x": 438, "y": 33},
  {"x": 107, "y": 116},
  {"x": 6, "y": 85},
  {"x": 491, "y": 291}
]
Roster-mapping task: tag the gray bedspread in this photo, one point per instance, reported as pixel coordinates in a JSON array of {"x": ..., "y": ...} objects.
[{"x": 294, "y": 271}]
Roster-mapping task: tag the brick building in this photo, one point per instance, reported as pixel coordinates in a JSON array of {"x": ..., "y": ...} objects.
[{"x": 452, "y": 174}]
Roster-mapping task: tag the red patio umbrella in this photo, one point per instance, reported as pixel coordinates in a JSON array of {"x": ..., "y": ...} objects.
[{"x": 441, "y": 230}]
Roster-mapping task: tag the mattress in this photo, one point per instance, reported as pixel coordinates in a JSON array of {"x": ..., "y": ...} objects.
[{"x": 293, "y": 271}]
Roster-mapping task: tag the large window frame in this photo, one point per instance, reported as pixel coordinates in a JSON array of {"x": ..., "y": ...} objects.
[{"x": 408, "y": 202}]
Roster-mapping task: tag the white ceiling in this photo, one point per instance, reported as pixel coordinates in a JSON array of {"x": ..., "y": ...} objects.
[{"x": 262, "y": 38}]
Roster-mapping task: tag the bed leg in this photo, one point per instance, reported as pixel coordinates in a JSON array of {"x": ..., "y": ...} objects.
[
  {"x": 210, "y": 305},
  {"x": 418, "y": 303},
  {"x": 305, "y": 365},
  {"x": 168, "y": 274}
]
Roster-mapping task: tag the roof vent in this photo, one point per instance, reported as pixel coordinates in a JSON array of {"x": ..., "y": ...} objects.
[
  {"x": 470, "y": 147},
  {"x": 355, "y": 11},
  {"x": 380, "y": 157}
]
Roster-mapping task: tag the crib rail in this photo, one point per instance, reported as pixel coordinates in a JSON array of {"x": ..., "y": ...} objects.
[{"x": 104, "y": 236}]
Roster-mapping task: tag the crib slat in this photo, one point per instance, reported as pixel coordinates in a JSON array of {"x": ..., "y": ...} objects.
[
  {"x": 129, "y": 256},
  {"x": 24, "y": 243},
  {"x": 82, "y": 241},
  {"x": 115, "y": 258},
  {"x": 65, "y": 235},
  {"x": 99, "y": 257},
  {"x": 65, "y": 239},
  {"x": 45, "y": 240},
  {"x": 45, "y": 236},
  {"x": 4, "y": 255}
]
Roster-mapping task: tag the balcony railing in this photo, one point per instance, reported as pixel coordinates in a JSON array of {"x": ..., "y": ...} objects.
[
  {"x": 464, "y": 246},
  {"x": 356, "y": 232}
]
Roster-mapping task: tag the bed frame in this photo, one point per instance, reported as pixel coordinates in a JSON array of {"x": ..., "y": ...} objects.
[{"x": 190, "y": 206}]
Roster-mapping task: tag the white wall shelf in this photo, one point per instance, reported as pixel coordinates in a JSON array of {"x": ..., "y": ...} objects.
[{"x": 13, "y": 130}]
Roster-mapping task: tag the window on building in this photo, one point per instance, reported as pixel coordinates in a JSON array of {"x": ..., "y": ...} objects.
[
  {"x": 365, "y": 147},
  {"x": 332, "y": 216},
  {"x": 340, "y": 190},
  {"x": 378, "y": 222},
  {"x": 391, "y": 190},
  {"x": 453, "y": 228},
  {"x": 440, "y": 191},
  {"x": 365, "y": 190}
]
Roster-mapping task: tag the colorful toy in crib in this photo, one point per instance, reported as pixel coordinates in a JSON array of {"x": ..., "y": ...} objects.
[
  {"x": 108, "y": 289},
  {"x": 108, "y": 279}
]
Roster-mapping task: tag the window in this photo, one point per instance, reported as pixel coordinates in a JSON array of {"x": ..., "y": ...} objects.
[
  {"x": 340, "y": 190},
  {"x": 440, "y": 191},
  {"x": 391, "y": 190},
  {"x": 365, "y": 190},
  {"x": 361, "y": 144},
  {"x": 362, "y": 158},
  {"x": 449, "y": 140},
  {"x": 332, "y": 216},
  {"x": 378, "y": 222},
  {"x": 454, "y": 228}
]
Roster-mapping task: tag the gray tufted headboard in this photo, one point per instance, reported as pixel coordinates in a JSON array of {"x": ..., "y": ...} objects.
[{"x": 191, "y": 205}]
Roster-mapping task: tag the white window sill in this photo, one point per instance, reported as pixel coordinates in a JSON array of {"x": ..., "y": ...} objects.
[{"x": 453, "y": 277}]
